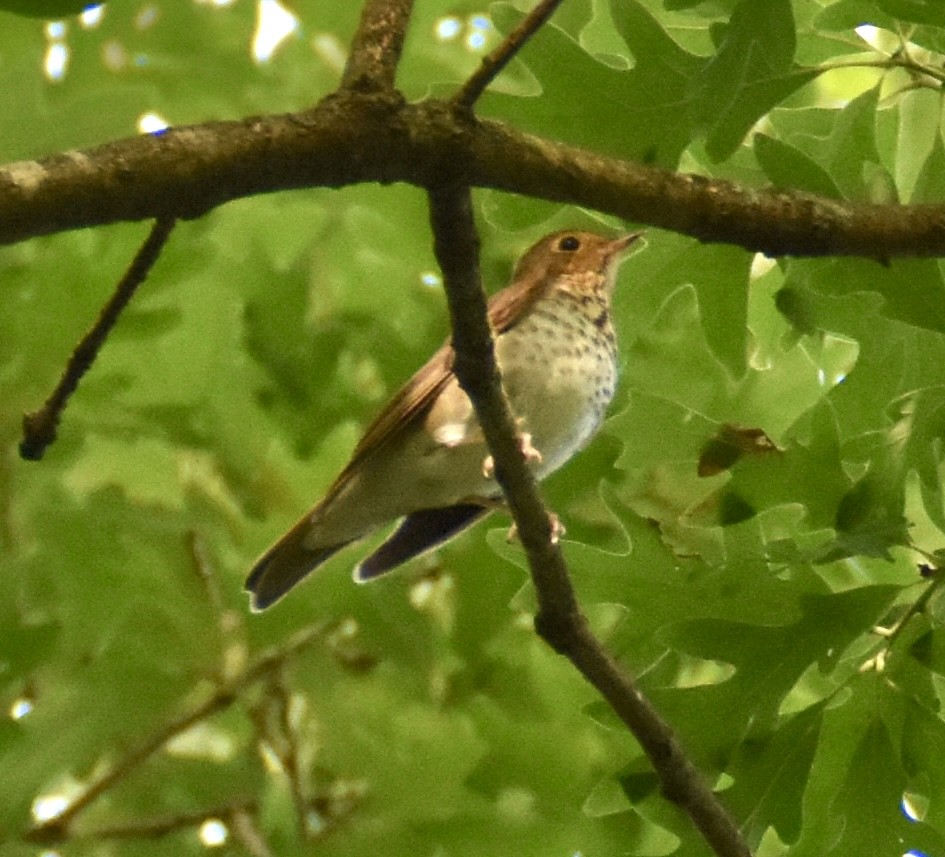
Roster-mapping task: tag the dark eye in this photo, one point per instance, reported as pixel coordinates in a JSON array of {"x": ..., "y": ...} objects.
[{"x": 569, "y": 244}]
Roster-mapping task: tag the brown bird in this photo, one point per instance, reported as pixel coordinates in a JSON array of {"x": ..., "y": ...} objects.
[{"x": 424, "y": 458}]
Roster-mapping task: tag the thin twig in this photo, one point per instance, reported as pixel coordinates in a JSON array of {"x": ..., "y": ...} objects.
[
  {"x": 377, "y": 45},
  {"x": 272, "y": 722},
  {"x": 153, "y": 828},
  {"x": 39, "y": 427},
  {"x": 494, "y": 62},
  {"x": 203, "y": 566},
  {"x": 559, "y": 620},
  {"x": 57, "y": 828},
  {"x": 918, "y": 606},
  {"x": 246, "y": 831},
  {"x": 232, "y": 649}
]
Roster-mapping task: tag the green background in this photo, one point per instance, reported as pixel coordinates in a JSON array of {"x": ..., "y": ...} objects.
[{"x": 429, "y": 719}]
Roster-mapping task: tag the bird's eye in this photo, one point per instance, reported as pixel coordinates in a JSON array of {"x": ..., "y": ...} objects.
[{"x": 569, "y": 244}]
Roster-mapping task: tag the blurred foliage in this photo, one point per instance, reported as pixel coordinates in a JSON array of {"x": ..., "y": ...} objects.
[{"x": 428, "y": 719}]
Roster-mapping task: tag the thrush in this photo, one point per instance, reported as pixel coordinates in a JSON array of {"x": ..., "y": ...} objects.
[{"x": 424, "y": 459}]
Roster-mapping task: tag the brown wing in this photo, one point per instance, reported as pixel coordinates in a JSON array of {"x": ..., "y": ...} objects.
[
  {"x": 407, "y": 404},
  {"x": 414, "y": 399}
]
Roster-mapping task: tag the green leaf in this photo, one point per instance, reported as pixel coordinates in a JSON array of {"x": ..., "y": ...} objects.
[
  {"x": 871, "y": 819},
  {"x": 751, "y": 73},
  {"x": 770, "y": 774},
  {"x": 773, "y": 658},
  {"x": 919, "y": 11},
  {"x": 602, "y": 99},
  {"x": 788, "y": 167}
]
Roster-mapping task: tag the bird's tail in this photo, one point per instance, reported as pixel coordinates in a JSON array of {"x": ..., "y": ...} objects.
[
  {"x": 290, "y": 559},
  {"x": 286, "y": 563},
  {"x": 417, "y": 533}
]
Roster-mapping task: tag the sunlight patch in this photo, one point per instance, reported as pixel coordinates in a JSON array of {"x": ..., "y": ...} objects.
[
  {"x": 202, "y": 741},
  {"x": 92, "y": 17},
  {"x": 213, "y": 833},
  {"x": 274, "y": 24},
  {"x": 152, "y": 123},
  {"x": 20, "y": 708},
  {"x": 56, "y": 61},
  {"x": 448, "y": 28},
  {"x": 479, "y": 27}
]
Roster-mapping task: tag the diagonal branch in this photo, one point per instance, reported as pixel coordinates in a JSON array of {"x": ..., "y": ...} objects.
[
  {"x": 457, "y": 251},
  {"x": 377, "y": 45},
  {"x": 40, "y": 426},
  {"x": 560, "y": 620},
  {"x": 154, "y": 827},
  {"x": 57, "y": 828},
  {"x": 502, "y": 55}
]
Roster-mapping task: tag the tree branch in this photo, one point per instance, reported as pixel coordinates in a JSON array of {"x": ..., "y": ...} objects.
[
  {"x": 161, "y": 825},
  {"x": 560, "y": 620},
  {"x": 502, "y": 55},
  {"x": 40, "y": 426},
  {"x": 377, "y": 45},
  {"x": 56, "y": 828},
  {"x": 351, "y": 138}
]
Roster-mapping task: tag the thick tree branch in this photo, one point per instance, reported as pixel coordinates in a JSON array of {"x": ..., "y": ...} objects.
[
  {"x": 350, "y": 138},
  {"x": 560, "y": 620},
  {"x": 377, "y": 45}
]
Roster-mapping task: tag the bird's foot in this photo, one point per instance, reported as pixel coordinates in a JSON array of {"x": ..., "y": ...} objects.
[
  {"x": 529, "y": 453},
  {"x": 557, "y": 530}
]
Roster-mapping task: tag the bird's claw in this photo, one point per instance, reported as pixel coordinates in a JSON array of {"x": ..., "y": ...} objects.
[
  {"x": 557, "y": 530},
  {"x": 529, "y": 453}
]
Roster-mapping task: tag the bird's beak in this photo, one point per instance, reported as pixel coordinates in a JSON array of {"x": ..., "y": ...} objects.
[{"x": 619, "y": 245}]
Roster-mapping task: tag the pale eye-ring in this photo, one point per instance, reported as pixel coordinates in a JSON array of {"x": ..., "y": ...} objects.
[{"x": 569, "y": 244}]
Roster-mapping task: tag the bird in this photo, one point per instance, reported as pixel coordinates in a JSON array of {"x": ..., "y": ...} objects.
[{"x": 424, "y": 462}]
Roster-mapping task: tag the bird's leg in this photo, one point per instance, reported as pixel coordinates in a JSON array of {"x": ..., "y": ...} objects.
[
  {"x": 531, "y": 455},
  {"x": 557, "y": 530}
]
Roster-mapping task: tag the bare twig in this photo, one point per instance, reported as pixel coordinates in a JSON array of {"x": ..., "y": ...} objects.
[
  {"x": 560, "y": 620},
  {"x": 377, "y": 44},
  {"x": 57, "y": 828},
  {"x": 203, "y": 565},
  {"x": 502, "y": 55},
  {"x": 246, "y": 831},
  {"x": 157, "y": 826},
  {"x": 39, "y": 427},
  {"x": 272, "y": 722}
]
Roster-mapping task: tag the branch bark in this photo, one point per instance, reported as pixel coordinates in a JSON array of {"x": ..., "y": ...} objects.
[
  {"x": 353, "y": 137},
  {"x": 493, "y": 64},
  {"x": 560, "y": 620},
  {"x": 377, "y": 45},
  {"x": 39, "y": 426}
]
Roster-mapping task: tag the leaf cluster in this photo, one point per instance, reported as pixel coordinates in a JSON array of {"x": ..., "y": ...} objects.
[{"x": 429, "y": 718}]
